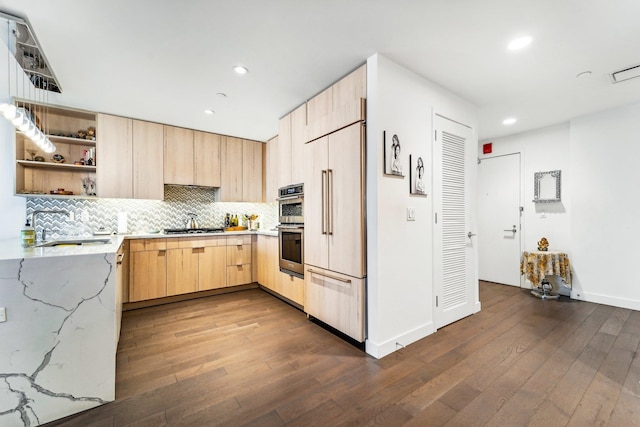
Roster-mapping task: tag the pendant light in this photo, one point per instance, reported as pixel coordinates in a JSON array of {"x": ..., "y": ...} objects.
[{"x": 21, "y": 117}]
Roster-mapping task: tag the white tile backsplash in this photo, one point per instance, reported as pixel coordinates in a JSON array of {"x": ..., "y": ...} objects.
[{"x": 145, "y": 215}]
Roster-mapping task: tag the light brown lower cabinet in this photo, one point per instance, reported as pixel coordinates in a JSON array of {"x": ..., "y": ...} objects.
[
  {"x": 291, "y": 287},
  {"x": 335, "y": 299},
  {"x": 182, "y": 271},
  {"x": 239, "y": 268},
  {"x": 270, "y": 276},
  {"x": 147, "y": 269},
  {"x": 212, "y": 270},
  {"x": 180, "y": 265}
]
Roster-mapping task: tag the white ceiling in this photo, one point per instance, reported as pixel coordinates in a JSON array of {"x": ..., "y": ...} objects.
[{"x": 165, "y": 60}]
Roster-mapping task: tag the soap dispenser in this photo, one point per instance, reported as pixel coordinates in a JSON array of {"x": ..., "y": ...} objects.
[{"x": 28, "y": 235}]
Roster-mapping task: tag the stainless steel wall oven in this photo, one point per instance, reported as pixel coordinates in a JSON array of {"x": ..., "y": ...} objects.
[{"x": 291, "y": 229}]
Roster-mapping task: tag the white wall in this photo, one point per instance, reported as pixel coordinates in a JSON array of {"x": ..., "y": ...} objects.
[
  {"x": 399, "y": 253},
  {"x": 597, "y": 221},
  {"x": 540, "y": 150},
  {"x": 605, "y": 230},
  {"x": 12, "y": 208}
]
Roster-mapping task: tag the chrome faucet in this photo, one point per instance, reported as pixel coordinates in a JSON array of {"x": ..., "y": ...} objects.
[{"x": 44, "y": 231}]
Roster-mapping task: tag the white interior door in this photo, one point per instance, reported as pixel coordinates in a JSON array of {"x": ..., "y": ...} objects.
[
  {"x": 455, "y": 277},
  {"x": 499, "y": 219}
]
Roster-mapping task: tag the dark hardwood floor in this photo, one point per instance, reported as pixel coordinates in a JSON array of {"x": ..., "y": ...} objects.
[{"x": 249, "y": 359}]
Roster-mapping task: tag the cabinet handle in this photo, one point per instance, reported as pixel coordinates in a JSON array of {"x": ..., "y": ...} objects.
[
  {"x": 324, "y": 202},
  {"x": 340, "y": 279},
  {"x": 120, "y": 258},
  {"x": 330, "y": 202}
]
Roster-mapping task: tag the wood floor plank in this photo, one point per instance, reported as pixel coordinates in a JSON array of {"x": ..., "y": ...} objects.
[{"x": 250, "y": 359}]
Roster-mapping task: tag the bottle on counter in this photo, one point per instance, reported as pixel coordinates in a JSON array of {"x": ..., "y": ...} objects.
[
  {"x": 227, "y": 220},
  {"x": 28, "y": 235}
]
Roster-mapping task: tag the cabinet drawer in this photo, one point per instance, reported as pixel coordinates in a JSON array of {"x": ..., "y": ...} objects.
[
  {"x": 195, "y": 242},
  {"x": 238, "y": 274},
  {"x": 237, "y": 255},
  {"x": 137, "y": 245},
  {"x": 244, "y": 239},
  {"x": 291, "y": 287},
  {"x": 335, "y": 299}
]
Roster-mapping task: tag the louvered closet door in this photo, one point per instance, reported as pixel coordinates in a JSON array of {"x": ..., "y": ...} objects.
[{"x": 455, "y": 281}]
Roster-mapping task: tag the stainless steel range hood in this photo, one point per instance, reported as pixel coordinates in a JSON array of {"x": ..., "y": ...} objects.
[{"x": 24, "y": 46}]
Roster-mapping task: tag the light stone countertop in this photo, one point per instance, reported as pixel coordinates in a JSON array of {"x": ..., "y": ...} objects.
[{"x": 11, "y": 249}]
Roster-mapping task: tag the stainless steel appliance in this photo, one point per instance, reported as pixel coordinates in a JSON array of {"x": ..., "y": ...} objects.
[
  {"x": 291, "y": 249},
  {"x": 192, "y": 230},
  {"x": 291, "y": 229},
  {"x": 291, "y": 204}
]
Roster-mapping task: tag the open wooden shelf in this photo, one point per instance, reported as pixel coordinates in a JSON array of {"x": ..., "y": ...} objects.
[
  {"x": 55, "y": 166},
  {"x": 72, "y": 141}
]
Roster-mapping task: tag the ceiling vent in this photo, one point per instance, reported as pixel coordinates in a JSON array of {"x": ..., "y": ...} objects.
[
  {"x": 626, "y": 74},
  {"x": 24, "y": 45}
]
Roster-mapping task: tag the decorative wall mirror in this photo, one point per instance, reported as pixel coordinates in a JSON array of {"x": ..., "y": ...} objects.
[{"x": 547, "y": 187}]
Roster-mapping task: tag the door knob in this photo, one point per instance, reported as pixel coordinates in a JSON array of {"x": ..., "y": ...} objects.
[
  {"x": 470, "y": 234},
  {"x": 513, "y": 230}
]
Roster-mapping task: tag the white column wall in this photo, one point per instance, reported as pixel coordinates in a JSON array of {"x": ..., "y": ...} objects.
[
  {"x": 605, "y": 148},
  {"x": 399, "y": 253}
]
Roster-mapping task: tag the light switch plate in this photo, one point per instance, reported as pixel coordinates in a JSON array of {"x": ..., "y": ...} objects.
[
  {"x": 3, "y": 314},
  {"x": 411, "y": 214}
]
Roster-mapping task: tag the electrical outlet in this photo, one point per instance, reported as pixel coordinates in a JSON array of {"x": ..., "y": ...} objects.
[
  {"x": 411, "y": 214},
  {"x": 3, "y": 314}
]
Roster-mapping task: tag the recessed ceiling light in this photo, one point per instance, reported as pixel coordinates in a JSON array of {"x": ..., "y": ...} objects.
[
  {"x": 209, "y": 112},
  {"x": 509, "y": 121},
  {"x": 221, "y": 95},
  {"x": 519, "y": 43},
  {"x": 239, "y": 69},
  {"x": 584, "y": 74}
]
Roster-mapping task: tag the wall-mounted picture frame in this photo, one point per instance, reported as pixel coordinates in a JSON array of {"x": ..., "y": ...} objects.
[
  {"x": 417, "y": 176},
  {"x": 392, "y": 156}
]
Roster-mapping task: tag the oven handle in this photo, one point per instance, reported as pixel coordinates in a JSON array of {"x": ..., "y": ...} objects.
[
  {"x": 340, "y": 279},
  {"x": 292, "y": 196}
]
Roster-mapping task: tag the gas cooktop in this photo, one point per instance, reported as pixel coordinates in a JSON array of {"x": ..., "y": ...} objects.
[{"x": 192, "y": 230}]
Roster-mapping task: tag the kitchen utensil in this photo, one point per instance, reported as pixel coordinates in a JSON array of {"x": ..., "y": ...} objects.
[{"x": 191, "y": 222}]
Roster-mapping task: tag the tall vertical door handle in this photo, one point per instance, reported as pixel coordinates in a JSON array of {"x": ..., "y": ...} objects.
[
  {"x": 324, "y": 202},
  {"x": 330, "y": 199}
]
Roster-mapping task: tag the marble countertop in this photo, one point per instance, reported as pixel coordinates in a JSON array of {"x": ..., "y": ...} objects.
[
  {"x": 11, "y": 248},
  {"x": 226, "y": 233}
]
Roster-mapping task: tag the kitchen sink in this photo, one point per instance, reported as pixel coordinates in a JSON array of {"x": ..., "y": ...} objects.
[{"x": 74, "y": 242}]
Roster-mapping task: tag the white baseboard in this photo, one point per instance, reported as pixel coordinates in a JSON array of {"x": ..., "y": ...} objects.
[
  {"x": 380, "y": 350},
  {"x": 606, "y": 299}
]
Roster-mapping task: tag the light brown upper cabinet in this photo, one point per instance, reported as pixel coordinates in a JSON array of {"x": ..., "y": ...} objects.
[
  {"x": 206, "y": 147},
  {"x": 291, "y": 139},
  {"x": 178, "y": 156},
  {"x": 114, "y": 154},
  {"x": 252, "y": 171},
  {"x": 298, "y": 126},
  {"x": 283, "y": 153},
  {"x": 337, "y": 106},
  {"x": 130, "y": 156},
  {"x": 191, "y": 157},
  {"x": 241, "y": 170},
  {"x": 270, "y": 172},
  {"x": 148, "y": 160},
  {"x": 231, "y": 170}
]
